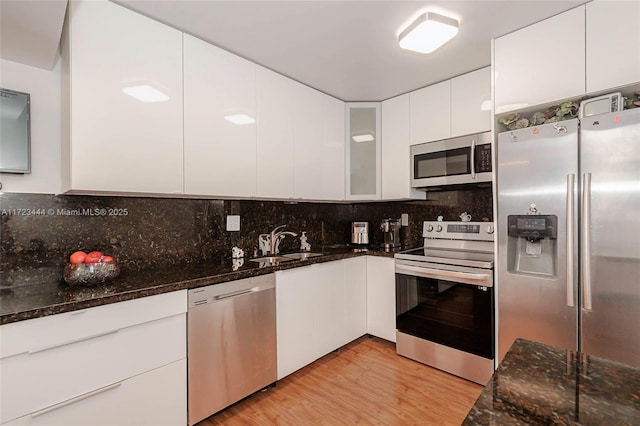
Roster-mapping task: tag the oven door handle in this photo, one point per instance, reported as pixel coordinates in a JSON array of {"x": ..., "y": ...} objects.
[{"x": 481, "y": 280}]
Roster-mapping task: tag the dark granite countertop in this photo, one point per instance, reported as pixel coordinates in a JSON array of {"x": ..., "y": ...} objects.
[
  {"x": 541, "y": 385},
  {"x": 50, "y": 295}
]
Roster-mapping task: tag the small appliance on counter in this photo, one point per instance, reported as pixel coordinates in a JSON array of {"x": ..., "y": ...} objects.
[
  {"x": 360, "y": 233},
  {"x": 391, "y": 233}
]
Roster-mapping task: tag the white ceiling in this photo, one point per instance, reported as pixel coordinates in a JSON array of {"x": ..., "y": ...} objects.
[
  {"x": 30, "y": 31},
  {"x": 349, "y": 49}
]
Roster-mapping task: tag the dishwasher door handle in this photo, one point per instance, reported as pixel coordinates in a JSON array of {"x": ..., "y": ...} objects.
[{"x": 235, "y": 293}]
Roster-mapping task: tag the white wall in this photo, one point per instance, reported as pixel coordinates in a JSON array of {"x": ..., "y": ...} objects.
[{"x": 44, "y": 87}]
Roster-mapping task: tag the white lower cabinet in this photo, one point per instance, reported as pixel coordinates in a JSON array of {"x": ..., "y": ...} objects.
[
  {"x": 381, "y": 297},
  {"x": 319, "y": 308},
  {"x": 154, "y": 398},
  {"x": 355, "y": 283},
  {"x": 330, "y": 310},
  {"x": 295, "y": 319},
  {"x": 60, "y": 369}
]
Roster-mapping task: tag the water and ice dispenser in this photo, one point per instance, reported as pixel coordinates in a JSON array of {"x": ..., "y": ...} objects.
[{"x": 532, "y": 244}]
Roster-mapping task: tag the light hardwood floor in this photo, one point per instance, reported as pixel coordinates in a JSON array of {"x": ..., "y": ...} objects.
[{"x": 365, "y": 382}]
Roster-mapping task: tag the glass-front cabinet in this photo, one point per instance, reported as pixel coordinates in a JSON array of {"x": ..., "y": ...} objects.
[{"x": 363, "y": 156}]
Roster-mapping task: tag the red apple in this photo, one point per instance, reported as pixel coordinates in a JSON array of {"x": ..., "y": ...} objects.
[
  {"x": 78, "y": 257},
  {"x": 93, "y": 257}
]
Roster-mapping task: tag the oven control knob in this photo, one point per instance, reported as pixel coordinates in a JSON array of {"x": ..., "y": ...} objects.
[
  {"x": 490, "y": 229},
  {"x": 438, "y": 228},
  {"x": 429, "y": 228}
]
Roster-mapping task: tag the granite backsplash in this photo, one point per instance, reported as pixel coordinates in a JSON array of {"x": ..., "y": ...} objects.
[{"x": 40, "y": 231}]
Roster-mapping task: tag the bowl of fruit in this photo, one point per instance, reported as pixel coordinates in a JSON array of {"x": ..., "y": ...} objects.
[{"x": 90, "y": 268}]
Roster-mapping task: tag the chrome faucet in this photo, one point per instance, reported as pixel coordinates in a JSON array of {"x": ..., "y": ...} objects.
[{"x": 274, "y": 235}]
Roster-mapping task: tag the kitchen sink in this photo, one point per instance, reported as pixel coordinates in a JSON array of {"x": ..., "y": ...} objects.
[
  {"x": 273, "y": 260},
  {"x": 301, "y": 255}
]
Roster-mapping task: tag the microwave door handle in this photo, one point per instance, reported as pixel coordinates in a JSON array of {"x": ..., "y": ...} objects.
[{"x": 473, "y": 159}]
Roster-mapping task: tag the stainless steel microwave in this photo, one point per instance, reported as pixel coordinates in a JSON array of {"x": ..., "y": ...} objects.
[{"x": 455, "y": 161}]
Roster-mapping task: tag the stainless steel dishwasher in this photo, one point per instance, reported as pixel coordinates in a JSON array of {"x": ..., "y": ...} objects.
[{"x": 231, "y": 343}]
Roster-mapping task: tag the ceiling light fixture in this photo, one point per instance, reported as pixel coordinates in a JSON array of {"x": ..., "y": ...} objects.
[
  {"x": 363, "y": 137},
  {"x": 145, "y": 93},
  {"x": 428, "y": 32},
  {"x": 240, "y": 119}
]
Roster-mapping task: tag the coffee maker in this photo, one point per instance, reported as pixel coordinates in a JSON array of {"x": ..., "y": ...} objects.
[
  {"x": 391, "y": 233},
  {"x": 360, "y": 233}
]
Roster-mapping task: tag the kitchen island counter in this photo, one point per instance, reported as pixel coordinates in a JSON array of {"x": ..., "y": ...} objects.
[
  {"x": 42, "y": 291},
  {"x": 541, "y": 384}
]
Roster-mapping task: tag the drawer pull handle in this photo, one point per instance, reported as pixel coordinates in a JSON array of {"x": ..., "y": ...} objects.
[
  {"x": 75, "y": 399},
  {"x": 71, "y": 342}
]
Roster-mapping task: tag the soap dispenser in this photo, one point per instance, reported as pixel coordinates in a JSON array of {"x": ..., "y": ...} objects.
[{"x": 304, "y": 245}]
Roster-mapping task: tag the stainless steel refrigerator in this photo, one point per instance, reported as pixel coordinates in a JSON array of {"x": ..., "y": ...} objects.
[{"x": 568, "y": 258}]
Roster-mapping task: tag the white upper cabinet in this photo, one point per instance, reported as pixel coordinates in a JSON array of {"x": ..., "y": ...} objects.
[
  {"x": 219, "y": 121},
  {"x": 319, "y": 145},
  {"x": 363, "y": 143},
  {"x": 541, "y": 63},
  {"x": 333, "y": 176},
  {"x": 275, "y": 167},
  {"x": 430, "y": 113},
  {"x": 613, "y": 44},
  {"x": 471, "y": 103},
  {"x": 122, "y": 101},
  {"x": 396, "y": 139},
  {"x": 309, "y": 141}
]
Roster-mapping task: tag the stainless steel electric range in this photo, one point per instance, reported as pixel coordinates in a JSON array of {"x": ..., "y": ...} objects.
[{"x": 445, "y": 299}]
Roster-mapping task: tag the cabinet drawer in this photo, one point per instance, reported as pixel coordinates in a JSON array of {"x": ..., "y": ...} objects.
[
  {"x": 40, "y": 333},
  {"x": 33, "y": 381},
  {"x": 155, "y": 398}
]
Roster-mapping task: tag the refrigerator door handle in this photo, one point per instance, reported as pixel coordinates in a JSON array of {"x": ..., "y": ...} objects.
[
  {"x": 585, "y": 258},
  {"x": 571, "y": 179},
  {"x": 473, "y": 159}
]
